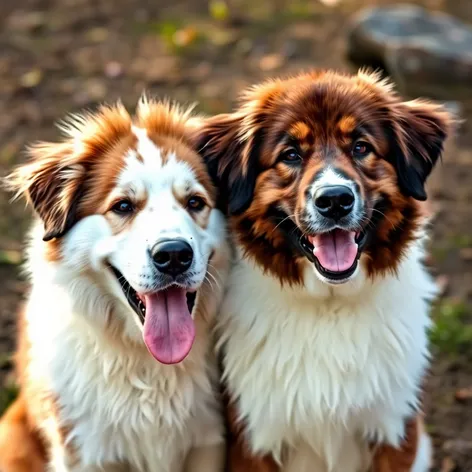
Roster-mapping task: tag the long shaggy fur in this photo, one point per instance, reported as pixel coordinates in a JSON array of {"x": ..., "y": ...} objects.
[
  {"x": 319, "y": 375},
  {"x": 92, "y": 396}
]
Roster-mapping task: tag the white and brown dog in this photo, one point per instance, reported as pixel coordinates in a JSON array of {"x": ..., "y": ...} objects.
[
  {"x": 127, "y": 262},
  {"x": 324, "y": 324}
]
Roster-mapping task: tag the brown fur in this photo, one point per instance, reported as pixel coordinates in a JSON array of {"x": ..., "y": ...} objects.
[
  {"x": 390, "y": 459},
  {"x": 322, "y": 114},
  {"x": 21, "y": 448},
  {"x": 240, "y": 458},
  {"x": 69, "y": 180}
]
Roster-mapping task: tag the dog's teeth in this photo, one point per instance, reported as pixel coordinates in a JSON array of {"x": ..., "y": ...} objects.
[{"x": 142, "y": 307}]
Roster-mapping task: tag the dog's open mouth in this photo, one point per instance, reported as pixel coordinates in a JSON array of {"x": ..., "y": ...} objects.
[
  {"x": 137, "y": 303},
  {"x": 335, "y": 253},
  {"x": 166, "y": 315}
]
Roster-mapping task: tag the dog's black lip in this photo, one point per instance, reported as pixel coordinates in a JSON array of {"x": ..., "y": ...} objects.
[
  {"x": 135, "y": 302},
  {"x": 301, "y": 244}
]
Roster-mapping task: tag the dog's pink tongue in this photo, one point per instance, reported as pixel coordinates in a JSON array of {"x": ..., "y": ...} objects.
[
  {"x": 336, "y": 251},
  {"x": 169, "y": 330}
]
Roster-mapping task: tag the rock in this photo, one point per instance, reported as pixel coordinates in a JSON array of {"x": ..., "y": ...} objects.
[{"x": 426, "y": 53}]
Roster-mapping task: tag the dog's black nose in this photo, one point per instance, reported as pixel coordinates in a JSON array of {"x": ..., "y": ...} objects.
[
  {"x": 172, "y": 257},
  {"x": 334, "y": 201}
]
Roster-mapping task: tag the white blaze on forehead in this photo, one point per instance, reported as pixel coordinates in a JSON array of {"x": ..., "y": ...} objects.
[
  {"x": 146, "y": 148},
  {"x": 330, "y": 177},
  {"x": 145, "y": 169}
]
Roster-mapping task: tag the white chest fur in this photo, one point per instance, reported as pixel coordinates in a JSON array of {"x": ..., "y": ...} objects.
[
  {"x": 319, "y": 368},
  {"x": 120, "y": 406}
]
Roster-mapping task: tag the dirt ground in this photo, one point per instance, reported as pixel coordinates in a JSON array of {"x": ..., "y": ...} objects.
[{"x": 59, "y": 56}]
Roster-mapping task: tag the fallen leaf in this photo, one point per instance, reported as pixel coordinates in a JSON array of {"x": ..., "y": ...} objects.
[
  {"x": 185, "y": 37},
  {"x": 32, "y": 78},
  {"x": 464, "y": 394},
  {"x": 271, "y": 62},
  {"x": 219, "y": 10}
]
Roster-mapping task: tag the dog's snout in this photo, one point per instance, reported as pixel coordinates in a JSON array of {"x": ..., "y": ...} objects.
[
  {"x": 173, "y": 256},
  {"x": 334, "y": 201}
]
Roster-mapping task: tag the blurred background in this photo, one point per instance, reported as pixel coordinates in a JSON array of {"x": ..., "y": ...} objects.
[{"x": 60, "y": 56}]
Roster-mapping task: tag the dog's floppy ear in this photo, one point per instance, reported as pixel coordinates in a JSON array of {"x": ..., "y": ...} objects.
[
  {"x": 417, "y": 130},
  {"x": 51, "y": 183},
  {"x": 230, "y": 150}
]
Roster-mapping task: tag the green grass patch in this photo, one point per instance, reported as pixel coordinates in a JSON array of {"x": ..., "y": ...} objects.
[
  {"x": 451, "y": 333},
  {"x": 6, "y": 360},
  {"x": 10, "y": 257},
  {"x": 7, "y": 396},
  {"x": 440, "y": 253},
  {"x": 461, "y": 241},
  {"x": 9, "y": 391}
]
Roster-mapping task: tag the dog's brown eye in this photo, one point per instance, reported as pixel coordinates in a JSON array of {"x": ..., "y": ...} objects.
[
  {"x": 122, "y": 207},
  {"x": 361, "y": 149},
  {"x": 196, "y": 203},
  {"x": 291, "y": 155}
]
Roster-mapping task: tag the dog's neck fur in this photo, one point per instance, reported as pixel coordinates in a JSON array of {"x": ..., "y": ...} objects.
[{"x": 325, "y": 369}]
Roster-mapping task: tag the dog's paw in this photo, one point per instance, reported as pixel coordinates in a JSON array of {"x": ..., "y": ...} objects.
[{"x": 88, "y": 243}]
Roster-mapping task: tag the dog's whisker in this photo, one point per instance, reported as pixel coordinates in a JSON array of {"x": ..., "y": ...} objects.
[
  {"x": 209, "y": 282},
  {"x": 385, "y": 216},
  {"x": 294, "y": 215},
  {"x": 213, "y": 277}
]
